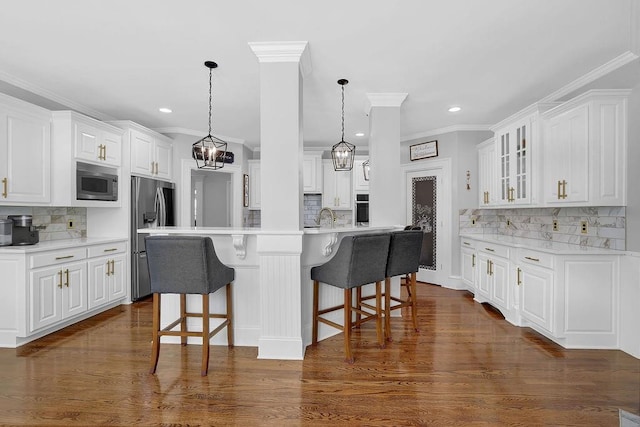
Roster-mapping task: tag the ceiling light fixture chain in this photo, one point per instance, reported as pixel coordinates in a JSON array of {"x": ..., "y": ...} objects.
[{"x": 210, "y": 98}]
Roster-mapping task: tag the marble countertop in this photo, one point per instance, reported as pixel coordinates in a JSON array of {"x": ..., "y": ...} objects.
[
  {"x": 255, "y": 230},
  {"x": 557, "y": 248},
  {"x": 58, "y": 244}
]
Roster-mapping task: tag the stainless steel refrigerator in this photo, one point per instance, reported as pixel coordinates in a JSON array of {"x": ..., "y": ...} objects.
[{"x": 151, "y": 206}]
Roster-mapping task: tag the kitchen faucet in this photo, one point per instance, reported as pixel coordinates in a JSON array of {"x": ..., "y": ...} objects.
[{"x": 333, "y": 216}]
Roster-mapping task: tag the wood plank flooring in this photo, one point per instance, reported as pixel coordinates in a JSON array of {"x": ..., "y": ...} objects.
[{"x": 466, "y": 367}]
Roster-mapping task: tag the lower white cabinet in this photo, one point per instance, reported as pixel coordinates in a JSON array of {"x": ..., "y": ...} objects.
[
  {"x": 49, "y": 289},
  {"x": 570, "y": 296},
  {"x": 254, "y": 185}
]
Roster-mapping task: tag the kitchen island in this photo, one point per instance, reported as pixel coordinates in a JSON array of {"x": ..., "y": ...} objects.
[{"x": 269, "y": 313}]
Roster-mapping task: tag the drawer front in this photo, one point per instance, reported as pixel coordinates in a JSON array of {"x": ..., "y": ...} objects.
[
  {"x": 58, "y": 257},
  {"x": 540, "y": 259},
  {"x": 107, "y": 249},
  {"x": 491, "y": 249},
  {"x": 467, "y": 243}
]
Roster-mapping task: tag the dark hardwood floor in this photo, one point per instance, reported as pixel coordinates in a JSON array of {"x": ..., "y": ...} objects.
[{"x": 466, "y": 367}]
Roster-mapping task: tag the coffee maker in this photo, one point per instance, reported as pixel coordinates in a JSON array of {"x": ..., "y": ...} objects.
[{"x": 23, "y": 233}]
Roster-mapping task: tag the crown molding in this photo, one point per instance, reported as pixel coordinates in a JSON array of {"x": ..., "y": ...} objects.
[
  {"x": 591, "y": 76},
  {"x": 52, "y": 96},
  {"x": 447, "y": 129},
  {"x": 384, "y": 100},
  {"x": 288, "y": 51},
  {"x": 197, "y": 133}
]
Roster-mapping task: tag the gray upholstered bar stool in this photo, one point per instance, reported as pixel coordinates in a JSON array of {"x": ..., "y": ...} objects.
[
  {"x": 404, "y": 259},
  {"x": 187, "y": 265},
  {"x": 359, "y": 260}
]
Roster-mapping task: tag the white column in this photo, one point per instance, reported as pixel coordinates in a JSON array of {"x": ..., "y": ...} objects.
[
  {"x": 282, "y": 66},
  {"x": 385, "y": 179}
]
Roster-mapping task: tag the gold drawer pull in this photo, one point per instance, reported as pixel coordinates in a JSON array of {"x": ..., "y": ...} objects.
[
  {"x": 467, "y": 243},
  {"x": 532, "y": 259},
  {"x": 490, "y": 250},
  {"x": 111, "y": 249},
  {"x": 519, "y": 279},
  {"x": 66, "y": 275},
  {"x": 60, "y": 277},
  {"x": 64, "y": 257}
]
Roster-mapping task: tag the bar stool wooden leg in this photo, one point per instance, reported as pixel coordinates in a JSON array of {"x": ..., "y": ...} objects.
[
  {"x": 155, "y": 343},
  {"x": 414, "y": 305},
  {"x": 183, "y": 318},
  {"x": 229, "y": 315},
  {"x": 314, "y": 336},
  {"x": 379, "y": 315},
  {"x": 347, "y": 326},
  {"x": 387, "y": 309},
  {"x": 359, "y": 305},
  {"x": 205, "y": 335}
]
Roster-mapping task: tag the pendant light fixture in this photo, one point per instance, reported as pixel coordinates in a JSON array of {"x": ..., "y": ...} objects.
[
  {"x": 210, "y": 151},
  {"x": 342, "y": 153}
]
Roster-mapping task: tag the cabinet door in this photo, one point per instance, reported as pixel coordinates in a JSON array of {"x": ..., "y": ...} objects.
[
  {"x": 117, "y": 288},
  {"x": 163, "y": 158},
  {"x": 45, "y": 297},
  {"x": 343, "y": 190},
  {"x": 142, "y": 153},
  {"x": 86, "y": 141},
  {"x": 74, "y": 291},
  {"x": 98, "y": 282},
  {"x": 359, "y": 183},
  {"x": 112, "y": 152},
  {"x": 504, "y": 165},
  {"x": 310, "y": 174},
  {"x": 536, "y": 293},
  {"x": 487, "y": 176},
  {"x": 521, "y": 164},
  {"x": 254, "y": 185},
  {"x": 25, "y": 141},
  {"x": 499, "y": 272},
  {"x": 483, "y": 284},
  {"x": 336, "y": 192},
  {"x": 469, "y": 267},
  {"x": 566, "y": 157}
]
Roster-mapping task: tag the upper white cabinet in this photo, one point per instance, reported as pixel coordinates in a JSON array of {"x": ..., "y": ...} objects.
[
  {"x": 336, "y": 188},
  {"x": 488, "y": 177},
  {"x": 518, "y": 153},
  {"x": 151, "y": 153},
  {"x": 312, "y": 173},
  {"x": 360, "y": 185},
  {"x": 78, "y": 138},
  {"x": 585, "y": 143},
  {"x": 25, "y": 148},
  {"x": 254, "y": 184}
]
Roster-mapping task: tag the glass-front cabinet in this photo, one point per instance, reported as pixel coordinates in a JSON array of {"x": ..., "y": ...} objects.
[{"x": 515, "y": 163}]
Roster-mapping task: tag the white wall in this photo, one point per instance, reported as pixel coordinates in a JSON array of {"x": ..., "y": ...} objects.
[{"x": 633, "y": 172}]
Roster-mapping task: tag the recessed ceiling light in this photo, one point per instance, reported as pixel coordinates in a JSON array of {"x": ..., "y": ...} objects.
[
  {"x": 165, "y": 110},
  {"x": 360, "y": 134},
  {"x": 454, "y": 109}
]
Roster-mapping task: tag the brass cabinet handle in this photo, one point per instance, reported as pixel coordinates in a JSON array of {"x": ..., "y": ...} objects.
[
  {"x": 5, "y": 191},
  {"x": 100, "y": 152},
  {"x": 110, "y": 249},
  {"x": 66, "y": 275},
  {"x": 559, "y": 189},
  {"x": 60, "y": 277},
  {"x": 564, "y": 189},
  {"x": 490, "y": 268},
  {"x": 466, "y": 243},
  {"x": 511, "y": 198},
  {"x": 519, "y": 279},
  {"x": 64, "y": 257},
  {"x": 532, "y": 259},
  {"x": 104, "y": 152},
  {"x": 113, "y": 267},
  {"x": 153, "y": 168},
  {"x": 473, "y": 260},
  {"x": 490, "y": 250},
  {"x": 108, "y": 273}
]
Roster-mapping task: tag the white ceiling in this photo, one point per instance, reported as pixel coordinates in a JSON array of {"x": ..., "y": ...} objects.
[{"x": 123, "y": 59}]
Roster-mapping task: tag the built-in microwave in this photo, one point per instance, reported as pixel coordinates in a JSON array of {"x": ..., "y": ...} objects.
[
  {"x": 95, "y": 182},
  {"x": 362, "y": 209}
]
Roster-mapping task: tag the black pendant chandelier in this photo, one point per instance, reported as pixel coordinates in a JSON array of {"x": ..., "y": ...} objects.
[
  {"x": 210, "y": 151},
  {"x": 343, "y": 153}
]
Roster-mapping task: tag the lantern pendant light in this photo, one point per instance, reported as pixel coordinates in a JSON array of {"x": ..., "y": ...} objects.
[
  {"x": 209, "y": 152},
  {"x": 366, "y": 168},
  {"x": 343, "y": 152}
]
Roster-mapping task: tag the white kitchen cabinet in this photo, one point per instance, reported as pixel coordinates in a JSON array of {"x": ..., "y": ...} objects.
[
  {"x": 81, "y": 139},
  {"x": 337, "y": 192},
  {"x": 150, "y": 153},
  {"x": 360, "y": 185},
  {"x": 107, "y": 273},
  {"x": 57, "y": 293},
  {"x": 534, "y": 278},
  {"x": 488, "y": 177},
  {"x": 468, "y": 267},
  {"x": 25, "y": 150},
  {"x": 585, "y": 147},
  {"x": 254, "y": 185},
  {"x": 312, "y": 173},
  {"x": 493, "y": 276},
  {"x": 57, "y": 283}
]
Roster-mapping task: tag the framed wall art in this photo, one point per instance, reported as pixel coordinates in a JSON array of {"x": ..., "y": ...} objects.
[{"x": 423, "y": 150}]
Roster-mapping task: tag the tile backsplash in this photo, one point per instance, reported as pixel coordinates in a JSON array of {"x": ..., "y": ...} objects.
[
  {"x": 53, "y": 223},
  {"x": 605, "y": 225},
  {"x": 312, "y": 206}
]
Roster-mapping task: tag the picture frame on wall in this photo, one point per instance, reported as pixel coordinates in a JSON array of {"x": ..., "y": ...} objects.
[
  {"x": 423, "y": 150},
  {"x": 245, "y": 190}
]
